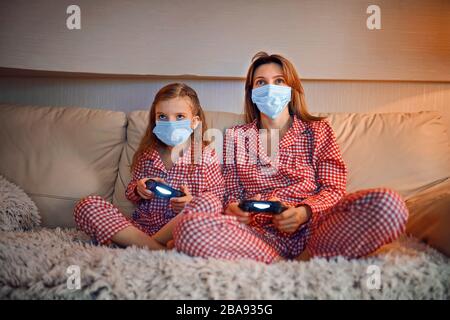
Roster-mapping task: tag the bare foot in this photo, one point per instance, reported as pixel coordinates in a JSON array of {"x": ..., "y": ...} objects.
[
  {"x": 278, "y": 259},
  {"x": 304, "y": 256},
  {"x": 170, "y": 244},
  {"x": 383, "y": 249}
]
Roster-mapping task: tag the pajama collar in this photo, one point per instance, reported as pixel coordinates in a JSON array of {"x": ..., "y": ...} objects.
[{"x": 297, "y": 128}]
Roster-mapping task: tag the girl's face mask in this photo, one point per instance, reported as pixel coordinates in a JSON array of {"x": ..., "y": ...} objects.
[
  {"x": 271, "y": 99},
  {"x": 173, "y": 133}
]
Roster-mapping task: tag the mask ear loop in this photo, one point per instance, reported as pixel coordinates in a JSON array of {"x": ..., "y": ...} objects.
[
  {"x": 196, "y": 120},
  {"x": 196, "y": 142},
  {"x": 196, "y": 134}
]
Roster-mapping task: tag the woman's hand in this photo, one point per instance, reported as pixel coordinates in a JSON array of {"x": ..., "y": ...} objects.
[
  {"x": 142, "y": 190},
  {"x": 243, "y": 217},
  {"x": 292, "y": 218},
  {"x": 179, "y": 203}
]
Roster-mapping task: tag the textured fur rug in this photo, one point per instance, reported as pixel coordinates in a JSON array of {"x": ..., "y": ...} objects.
[
  {"x": 38, "y": 264},
  {"x": 34, "y": 265}
]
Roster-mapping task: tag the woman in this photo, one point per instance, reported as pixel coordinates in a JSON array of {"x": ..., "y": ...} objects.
[{"x": 285, "y": 154}]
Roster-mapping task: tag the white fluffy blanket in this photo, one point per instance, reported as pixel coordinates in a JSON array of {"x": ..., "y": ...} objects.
[
  {"x": 34, "y": 265},
  {"x": 38, "y": 264}
]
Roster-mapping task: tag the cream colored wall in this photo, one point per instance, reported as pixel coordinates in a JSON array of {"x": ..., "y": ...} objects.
[
  {"x": 227, "y": 95},
  {"x": 326, "y": 39},
  {"x": 407, "y": 61}
]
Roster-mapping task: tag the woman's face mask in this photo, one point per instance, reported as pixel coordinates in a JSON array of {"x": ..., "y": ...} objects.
[
  {"x": 173, "y": 133},
  {"x": 271, "y": 99}
]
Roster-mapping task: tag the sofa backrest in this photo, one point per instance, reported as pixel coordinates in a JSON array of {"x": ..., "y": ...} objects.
[
  {"x": 407, "y": 152},
  {"x": 58, "y": 155}
]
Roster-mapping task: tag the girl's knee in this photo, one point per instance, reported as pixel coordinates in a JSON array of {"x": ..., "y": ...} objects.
[
  {"x": 84, "y": 205},
  {"x": 87, "y": 200}
]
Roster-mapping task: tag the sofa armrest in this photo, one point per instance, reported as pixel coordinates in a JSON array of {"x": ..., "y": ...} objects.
[{"x": 429, "y": 216}]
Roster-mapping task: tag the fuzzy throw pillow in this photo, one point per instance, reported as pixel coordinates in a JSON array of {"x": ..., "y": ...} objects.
[{"x": 17, "y": 211}]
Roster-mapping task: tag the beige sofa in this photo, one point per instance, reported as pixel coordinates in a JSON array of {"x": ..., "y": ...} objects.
[{"x": 60, "y": 154}]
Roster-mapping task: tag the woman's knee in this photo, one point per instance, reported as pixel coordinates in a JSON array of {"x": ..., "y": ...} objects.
[
  {"x": 205, "y": 203},
  {"x": 188, "y": 225},
  {"x": 389, "y": 207},
  {"x": 191, "y": 229}
]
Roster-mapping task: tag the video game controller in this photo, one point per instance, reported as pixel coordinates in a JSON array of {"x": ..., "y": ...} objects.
[
  {"x": 163, "y": 190},
  {"x": 274, "y": 207}
]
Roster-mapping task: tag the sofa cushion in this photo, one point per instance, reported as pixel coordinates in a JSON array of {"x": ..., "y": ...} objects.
[
  {"x": 407, "y": 152},
  {"x": 58, "y": 155},
  {"x": 137, "y": 123},
  {"x": 429, "y": 216}
]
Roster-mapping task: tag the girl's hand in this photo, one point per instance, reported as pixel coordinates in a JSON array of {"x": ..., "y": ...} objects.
[
  {"x": 142, "y": 190},
  {"x": 179, "y": 203},
  {"x": 243, "y": 217},
  {"x": 292, "y": 218}
]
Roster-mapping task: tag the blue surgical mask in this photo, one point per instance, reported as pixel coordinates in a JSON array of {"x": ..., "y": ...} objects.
[
  {"x": 173, "y": 133},
  {"x": 271, "y": 99}
]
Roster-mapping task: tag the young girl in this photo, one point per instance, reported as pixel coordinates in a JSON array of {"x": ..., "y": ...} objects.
[
  {"x": 305, "y": 171},
  {"x": 168, "y": 153}
]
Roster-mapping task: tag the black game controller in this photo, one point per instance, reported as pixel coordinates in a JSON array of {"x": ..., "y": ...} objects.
[
  {"x": 274, "y": 207},
  {"x": 163, "y": 190}
]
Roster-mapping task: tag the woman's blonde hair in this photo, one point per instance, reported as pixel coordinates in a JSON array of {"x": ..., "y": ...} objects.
[{"x": 297, "y": 105}]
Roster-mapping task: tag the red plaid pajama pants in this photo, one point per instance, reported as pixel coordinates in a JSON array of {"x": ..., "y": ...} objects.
[
  {"x": 100, "y": 219},
  {"x": 357, "y": 225}
]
